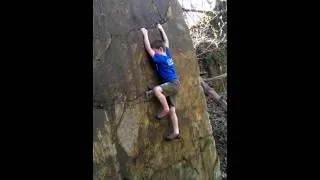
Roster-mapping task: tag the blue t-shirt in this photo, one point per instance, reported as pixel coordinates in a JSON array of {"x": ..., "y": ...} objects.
[{"x": 165, "y": 66}]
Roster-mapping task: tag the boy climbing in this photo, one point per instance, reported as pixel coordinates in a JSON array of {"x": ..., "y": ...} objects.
[{"x": 166, "y": 92}]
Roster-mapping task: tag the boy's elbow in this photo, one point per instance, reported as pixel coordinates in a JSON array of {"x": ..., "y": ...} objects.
[{"x": 150, "y": 52}]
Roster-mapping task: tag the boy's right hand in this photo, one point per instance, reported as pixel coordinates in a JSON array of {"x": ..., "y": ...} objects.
[
  {"x": 159, "y": 26},
  {"x": 144, "y": 30}
]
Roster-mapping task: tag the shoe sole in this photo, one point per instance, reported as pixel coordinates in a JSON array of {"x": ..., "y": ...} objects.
[{"x": 176, "y": 138}]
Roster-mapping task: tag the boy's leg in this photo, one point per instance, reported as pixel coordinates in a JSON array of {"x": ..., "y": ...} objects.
[
  {"x": 174, "y": 120},
  {"x": 158, "y": 92},
  {"x": 169, "y": 90}
]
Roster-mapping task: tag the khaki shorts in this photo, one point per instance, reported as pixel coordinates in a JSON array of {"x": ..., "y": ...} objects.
[{"x": 170, "y": 90}]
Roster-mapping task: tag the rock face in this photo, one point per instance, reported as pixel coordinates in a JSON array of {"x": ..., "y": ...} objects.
[{"x": 128, "y": 140}]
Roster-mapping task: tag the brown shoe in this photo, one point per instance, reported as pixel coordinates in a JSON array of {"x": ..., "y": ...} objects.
[
  {"x": 173, "y": 136},
  {"x": 162, "y": 114}
]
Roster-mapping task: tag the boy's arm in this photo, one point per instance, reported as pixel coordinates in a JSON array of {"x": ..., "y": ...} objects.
[
  {"x": 146, "y": 41},
  {"x": 165, "y": 38}
]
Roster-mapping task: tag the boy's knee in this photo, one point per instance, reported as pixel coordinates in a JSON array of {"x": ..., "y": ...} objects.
[{"x": 157, "y": 89}]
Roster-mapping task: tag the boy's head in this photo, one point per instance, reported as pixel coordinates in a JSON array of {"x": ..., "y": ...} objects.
[{"x": 158, "y": 46}]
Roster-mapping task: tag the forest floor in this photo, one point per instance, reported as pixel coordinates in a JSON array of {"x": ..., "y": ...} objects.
[{"x": 218, "y": 119}]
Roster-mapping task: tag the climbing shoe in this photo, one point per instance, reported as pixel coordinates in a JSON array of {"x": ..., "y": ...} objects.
[
  {"x": 172, "y": 136},
  {"x": 162, "y": 114}
]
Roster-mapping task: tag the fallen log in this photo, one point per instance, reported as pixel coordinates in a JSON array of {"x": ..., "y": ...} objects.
[{"x": 212, "y": 93}]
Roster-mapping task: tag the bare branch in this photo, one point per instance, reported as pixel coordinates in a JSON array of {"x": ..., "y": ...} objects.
[
  {"x": 206, "y": 50},
  {"x": 195, "y": 10},
  {"x": 216, "y": 77},
  {"x": 203, "y": 73}
]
